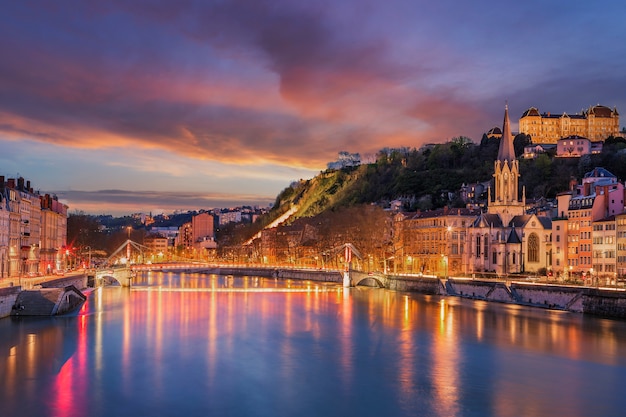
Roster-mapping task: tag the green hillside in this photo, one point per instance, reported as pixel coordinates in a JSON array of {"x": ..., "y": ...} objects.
[{"x": 430, "y": 178}]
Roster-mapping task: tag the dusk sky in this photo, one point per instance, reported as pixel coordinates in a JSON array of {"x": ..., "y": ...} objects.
[{"x": 151, "y": 106}]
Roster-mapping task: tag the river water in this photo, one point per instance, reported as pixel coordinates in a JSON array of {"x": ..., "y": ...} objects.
[{"x": 206, "y": 345}]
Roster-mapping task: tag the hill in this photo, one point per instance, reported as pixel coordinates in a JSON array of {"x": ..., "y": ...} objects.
[{"x": 429, "y": 178}]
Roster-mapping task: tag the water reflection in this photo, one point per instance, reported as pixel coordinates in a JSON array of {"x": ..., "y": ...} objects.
[{"x": 204, "y": 344}]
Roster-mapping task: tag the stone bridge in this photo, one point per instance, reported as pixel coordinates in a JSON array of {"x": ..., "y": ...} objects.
[
  {"x": 369, "y": 279},
  {"x": 123, "y": 276}
]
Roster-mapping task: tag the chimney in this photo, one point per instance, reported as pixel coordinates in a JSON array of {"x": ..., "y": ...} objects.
[
  {"x": 20, "y": 183},
  {"x": 586, "y": 189},
  {"x": 28, "y": 185},
  {"x": 11, "y": 183},
  {"x": 1, "y": 182}
]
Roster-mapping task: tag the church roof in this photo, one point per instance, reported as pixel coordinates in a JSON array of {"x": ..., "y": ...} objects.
[
  {"x": 520, "y": 221},
  {"x": 506, "y": 152},
  {"x": 599, "y": 172},
  {"x": 546, "y": 222},
  {"x": 513, "y": 237},
  {"x": 488, "y": 220}
]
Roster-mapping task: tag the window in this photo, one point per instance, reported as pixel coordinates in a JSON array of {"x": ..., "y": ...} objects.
[
  {"x": 533, "y": 248},
  {"x": 486, "y": 242}
]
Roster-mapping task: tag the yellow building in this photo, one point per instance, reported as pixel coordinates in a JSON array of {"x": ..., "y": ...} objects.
[
  {"x": 433, "y": 242},
  {"x": 596, "y": 123}
]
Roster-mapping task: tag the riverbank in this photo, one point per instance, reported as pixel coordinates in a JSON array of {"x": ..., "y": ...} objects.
[
  {"x": 605, "y": 302},
  {"x": 42, "y": 295}
]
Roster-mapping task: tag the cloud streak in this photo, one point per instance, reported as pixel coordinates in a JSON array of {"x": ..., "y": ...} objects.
[{"x": 288, "y": 84}]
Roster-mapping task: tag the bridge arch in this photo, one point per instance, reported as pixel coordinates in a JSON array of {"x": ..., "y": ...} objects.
[
  {"x": 362, "y": 279},
  {"x": 120, "y": 276}
]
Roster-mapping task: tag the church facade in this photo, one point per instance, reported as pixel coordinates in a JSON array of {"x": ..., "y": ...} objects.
[{"x": 506, "y": 240}]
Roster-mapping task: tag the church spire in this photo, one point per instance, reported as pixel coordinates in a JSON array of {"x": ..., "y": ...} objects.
[{"x": 506, "y": 152}]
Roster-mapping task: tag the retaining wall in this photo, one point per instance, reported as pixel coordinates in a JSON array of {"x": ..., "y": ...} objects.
[
  {"x": 423, "y": 285},
  {"x": 604, "y": 303},
  {"x": 7, "y": 300},
  {"x": 78, "y": 281},
  {"x": 550, "y": 296}
]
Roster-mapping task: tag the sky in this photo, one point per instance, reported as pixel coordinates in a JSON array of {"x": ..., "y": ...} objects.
[{"x": 124, "y": 106}]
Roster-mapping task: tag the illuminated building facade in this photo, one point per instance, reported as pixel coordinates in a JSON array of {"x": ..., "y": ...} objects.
[
  {"x": 596, "y": 123},
  {"x": 505, "y": 240},
  {"x": 32, "y": 233},
  {"x": 590, "y": 212}
]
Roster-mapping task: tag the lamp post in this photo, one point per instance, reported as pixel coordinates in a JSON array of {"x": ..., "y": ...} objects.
[
  {"x": 448, "y": 248},
  {"x": 128, "y": 246},
  {"x": 89, "y": 259}
]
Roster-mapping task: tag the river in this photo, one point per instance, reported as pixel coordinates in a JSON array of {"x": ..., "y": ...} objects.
[{"x": 207, "y": 345}]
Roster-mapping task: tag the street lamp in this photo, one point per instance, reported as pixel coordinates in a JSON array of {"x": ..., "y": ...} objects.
[{"x": 89, "y": 261}]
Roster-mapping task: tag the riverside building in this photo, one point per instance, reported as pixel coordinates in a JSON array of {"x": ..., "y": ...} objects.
[
  {"x": 33, "y": 230},
  {"x": 505, "y": 239}
]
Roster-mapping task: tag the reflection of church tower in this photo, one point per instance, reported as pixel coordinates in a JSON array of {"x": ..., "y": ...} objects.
[{"x": 506, "y": 178}]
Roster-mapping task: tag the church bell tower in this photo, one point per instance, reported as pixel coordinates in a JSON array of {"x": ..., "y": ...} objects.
[{"x": 506, "y": 200}]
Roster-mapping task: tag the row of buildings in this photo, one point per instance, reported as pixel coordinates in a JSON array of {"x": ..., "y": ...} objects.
[
  {"x": 196, "y": 238},
  {"x": 568, "y": 147},
  {"x": 584, "y": 235},
  {"x": 33, "y": 230}
]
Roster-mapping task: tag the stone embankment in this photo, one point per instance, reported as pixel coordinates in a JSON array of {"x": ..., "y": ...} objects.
[
  {"x": 602, "y": 302},
  {"x": 48, "y": 298},
  {"x": 8, "y": 296}
]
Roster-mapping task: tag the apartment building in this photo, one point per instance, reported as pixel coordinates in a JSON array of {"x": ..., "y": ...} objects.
[{"x": 33, "y": 230}]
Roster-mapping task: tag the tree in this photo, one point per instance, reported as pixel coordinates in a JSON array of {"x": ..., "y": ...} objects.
[{"x": 520, "y": 141}]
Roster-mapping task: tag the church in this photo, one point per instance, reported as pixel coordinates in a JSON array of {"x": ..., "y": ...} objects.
[{"x": 506, "y": 240}]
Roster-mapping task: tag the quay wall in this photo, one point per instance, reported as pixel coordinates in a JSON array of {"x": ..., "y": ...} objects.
[
  {"x": 606, "y": 303},
  {"x": 550, "y": 296},
  {"x": 8, "y": 296},
  {"x": 78, "y": 281},
  {"x": 423, "y": 285}
]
